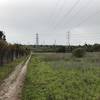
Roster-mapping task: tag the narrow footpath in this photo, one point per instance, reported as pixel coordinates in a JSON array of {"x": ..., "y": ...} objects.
[{"x": 12, "y": 86}]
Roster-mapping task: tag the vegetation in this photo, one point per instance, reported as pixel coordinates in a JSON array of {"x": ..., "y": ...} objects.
[
  {"x": 9, "y": 52},
  {"x": 63, "y": 77},
  {"x": 8, "y": 68},
  {"x": 79, "y": 52},
  {"x": 62, "y": 48}
]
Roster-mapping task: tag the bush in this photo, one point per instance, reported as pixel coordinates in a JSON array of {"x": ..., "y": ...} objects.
[
  {"x": 9, "y": 52},
  {"x": 61, "y": 49},
  {"x": 79, "y": 52},
  {"x": 96, "y": 47}
]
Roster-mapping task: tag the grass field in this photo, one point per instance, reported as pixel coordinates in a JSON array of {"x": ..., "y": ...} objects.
[
  {"x": 6, "y": 69},
  {"x": 63, "y": 77}
]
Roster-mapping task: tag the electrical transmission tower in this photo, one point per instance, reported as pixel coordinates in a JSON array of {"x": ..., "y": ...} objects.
[
  {"x": 55, "y": 43},
  {"x": 68, "y": 38},
  {"x": 37, "y": 39}
]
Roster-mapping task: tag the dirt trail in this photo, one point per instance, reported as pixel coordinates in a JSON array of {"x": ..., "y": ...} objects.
[{"x": 12, "y": 86}]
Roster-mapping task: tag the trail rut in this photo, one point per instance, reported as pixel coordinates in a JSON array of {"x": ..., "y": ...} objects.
[{"x": 12, "y": 86}]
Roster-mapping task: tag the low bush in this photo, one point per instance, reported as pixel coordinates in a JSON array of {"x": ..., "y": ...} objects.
[{"x": 79, "y": 52}]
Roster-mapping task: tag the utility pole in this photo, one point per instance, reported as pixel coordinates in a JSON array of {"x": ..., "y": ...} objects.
[{"x": 37, "y": 39}]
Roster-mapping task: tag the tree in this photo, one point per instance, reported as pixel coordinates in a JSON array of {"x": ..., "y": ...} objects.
[
  {"x": 1, "y": 34},
  {"x": 9, "y": 52}
]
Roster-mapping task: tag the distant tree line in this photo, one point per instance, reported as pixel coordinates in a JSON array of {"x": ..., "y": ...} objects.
[
  {"x": 62, "y": 48},
  {"x": 10, "y": 52}
]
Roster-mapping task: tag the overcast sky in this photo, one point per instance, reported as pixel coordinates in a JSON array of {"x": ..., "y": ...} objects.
[{"x": 52, "y": 19}]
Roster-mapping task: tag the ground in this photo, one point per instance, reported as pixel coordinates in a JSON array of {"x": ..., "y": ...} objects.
[
  {"x": 11, "y": 87},
  {"x": 54, "y": 76},
  {"x": 63, "y": 77}
]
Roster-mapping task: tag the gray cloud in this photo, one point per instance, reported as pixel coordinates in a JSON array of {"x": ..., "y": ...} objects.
[{"x": 21, "y": 19}]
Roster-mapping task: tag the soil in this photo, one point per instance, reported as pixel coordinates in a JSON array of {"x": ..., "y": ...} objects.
[{"x": 12, "y": 86}]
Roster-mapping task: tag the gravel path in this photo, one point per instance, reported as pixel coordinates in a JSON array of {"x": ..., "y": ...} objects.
[{"x": 12, "y": 86}]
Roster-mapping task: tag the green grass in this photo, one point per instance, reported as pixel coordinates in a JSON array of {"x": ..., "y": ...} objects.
[
  {"x": 6, "y": 69},
  {"x": 62, "y": 77}
]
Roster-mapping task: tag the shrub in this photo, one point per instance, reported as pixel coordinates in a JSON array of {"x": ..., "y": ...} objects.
[
  {"x": 78, "y": 52},
  {"x": 96, "y": 47},
  {"x": 9, "y": 52},
  {"x": 61, "y": 49}
]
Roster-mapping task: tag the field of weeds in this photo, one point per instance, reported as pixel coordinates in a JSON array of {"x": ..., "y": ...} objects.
[{"x": 62, "y": 77}]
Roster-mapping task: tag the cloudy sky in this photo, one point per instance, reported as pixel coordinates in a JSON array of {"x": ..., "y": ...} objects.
[{"x": 52, "y": 19}]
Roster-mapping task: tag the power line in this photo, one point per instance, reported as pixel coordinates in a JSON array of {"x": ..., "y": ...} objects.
[
  {"x": 68, "y": 38},
  {"x": 37, "y": 39},
  {"x": 69, "y": 11},
  {"x": 86, "y": 19},
  {"x": 82, "y": 8},
  {"x": 54, "y": 10},
  {"x": 89, "y": 17},
  {"x": 55, "y": 42},
  {"x": 59, "y": 10}
]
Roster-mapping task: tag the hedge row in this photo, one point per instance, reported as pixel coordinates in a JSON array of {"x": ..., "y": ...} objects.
[{"x": 10, "y": 52}]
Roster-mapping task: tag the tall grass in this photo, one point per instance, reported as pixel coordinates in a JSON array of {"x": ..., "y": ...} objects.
[
  {"x": 6, "y": 69},
  {"x": 62, "y": 79}
]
